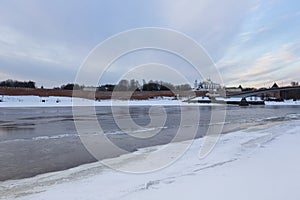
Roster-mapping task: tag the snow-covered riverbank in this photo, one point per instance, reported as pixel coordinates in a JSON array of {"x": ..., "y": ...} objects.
[
  {"x": 35, "y": 101},
  {"x": 257, "y": 163}
]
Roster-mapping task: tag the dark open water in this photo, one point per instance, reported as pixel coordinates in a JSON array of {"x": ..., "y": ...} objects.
[{"x": 39, "y": 140}]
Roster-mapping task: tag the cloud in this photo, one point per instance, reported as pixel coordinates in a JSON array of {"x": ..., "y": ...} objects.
[
  {"x": 26, "y": 58},
  {"x": 15, "y": 44},
  {"x": 267, "y": 48},
  {"x": 42, "y": 37},
  {"x": 269, "y": 67},
  {"x": 213, "y": 23},
  {"x": 248, "y": 36},
  {"x": 207, "y": 16},
  {"x": 48, "y": 75},
  {"x": 4, "y": 76},
  {"x": 60, "y": 34}
]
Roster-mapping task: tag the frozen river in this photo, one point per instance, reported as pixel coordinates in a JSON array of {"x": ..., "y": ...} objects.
[{"x": 39, "y": 140}]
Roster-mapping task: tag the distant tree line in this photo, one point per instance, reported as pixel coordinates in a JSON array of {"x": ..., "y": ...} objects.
[
  {"x": 134, "y": 85},
  {"x": 17, "y": 84},
  {"x": 71, "y": 86},
  {"x": 123, "y": 85},
  {"x": 107, "y": 87},
  {"x": 294, "y": 83},
  {"x": 130, "y": 85}
]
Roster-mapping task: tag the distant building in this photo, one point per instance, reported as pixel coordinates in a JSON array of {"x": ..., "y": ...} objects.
[
  {"x": 90, "y": 89},
  {"x": 233, "y": 90},
  {"x": 275, "y": 85},
  {"x": 207, "y": 85},
  {"x": 291, "y": 94},
  {"x": 196, "y": 85}
]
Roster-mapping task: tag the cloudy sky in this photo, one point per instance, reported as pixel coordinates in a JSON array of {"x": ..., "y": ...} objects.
[{"x": 252, "y": 42}]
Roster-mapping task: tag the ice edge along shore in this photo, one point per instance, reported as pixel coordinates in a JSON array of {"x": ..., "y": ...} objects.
[
  {"x": 256, "y": 163},
  {"x": 52, "y": 101}
]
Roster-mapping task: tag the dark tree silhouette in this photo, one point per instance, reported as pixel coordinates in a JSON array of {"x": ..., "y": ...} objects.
[
  {"x": 72, "y": 86},
  {"x": 107, "y": 87},
  {"x": 17, "y": 84}
]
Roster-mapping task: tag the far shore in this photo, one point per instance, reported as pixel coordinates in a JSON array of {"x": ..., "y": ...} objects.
[{"x": 96, "y": 95}]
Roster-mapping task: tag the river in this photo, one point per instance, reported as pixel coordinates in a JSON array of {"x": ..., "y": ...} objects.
[{"x": 38, "y": 140}]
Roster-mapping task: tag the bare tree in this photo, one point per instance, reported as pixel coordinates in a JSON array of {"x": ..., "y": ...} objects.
[{"x": 294, "y": 83}]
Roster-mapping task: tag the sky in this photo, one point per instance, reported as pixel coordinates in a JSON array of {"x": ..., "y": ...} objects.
[{"x": 251, "y": 42}]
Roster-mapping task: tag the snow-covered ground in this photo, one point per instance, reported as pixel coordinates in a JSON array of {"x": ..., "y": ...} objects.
[
  {"x": 35, "y": 101},
  {"x": 257, "y": 163},
  {"x": 286, "y": 102},
  {"x": 52, "y": 101}
]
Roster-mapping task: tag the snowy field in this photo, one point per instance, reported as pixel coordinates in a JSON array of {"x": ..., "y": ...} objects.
[
  {"x": 261, "y": 162},
  {"x": 35, "y": 101}
]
